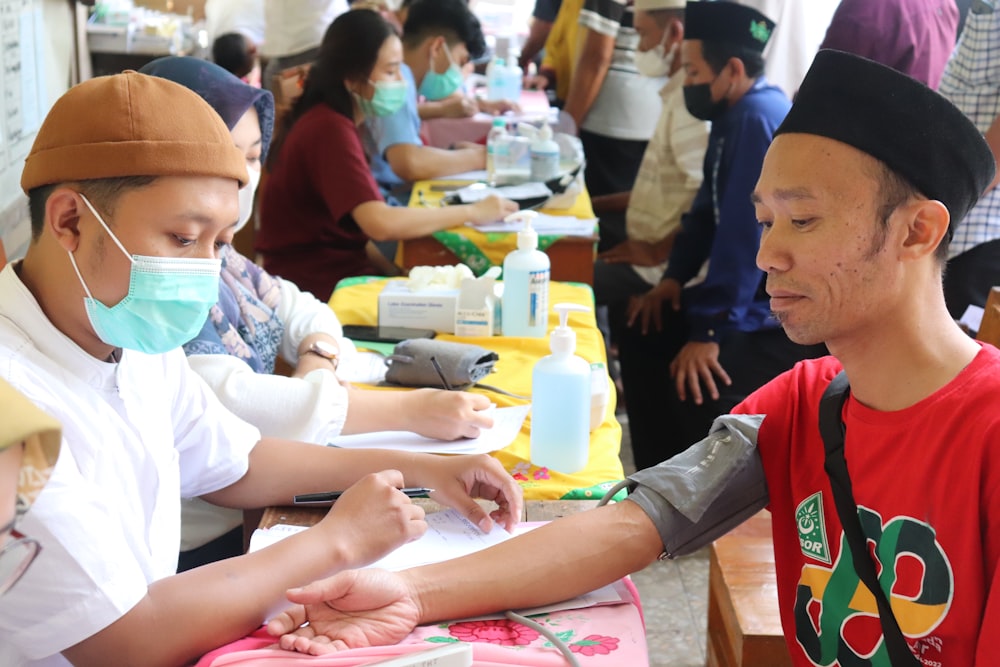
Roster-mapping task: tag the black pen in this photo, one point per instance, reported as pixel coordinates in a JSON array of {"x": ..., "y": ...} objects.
[
  {"x": 437, "y": 367},
  {"x": 328, "y": 497}
]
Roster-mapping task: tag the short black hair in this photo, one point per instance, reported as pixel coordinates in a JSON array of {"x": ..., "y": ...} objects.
[
  {"x": 103, "y": 193},
  {"x": 233, "y": 53},
  {"x": 717, "y": 54},
  {"x": 451, "y": 18}
]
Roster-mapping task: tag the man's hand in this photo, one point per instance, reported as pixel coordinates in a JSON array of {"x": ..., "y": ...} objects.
[
  {"x": 448, "y": 415},
  {"x": 649, "y": 307},
  {"x": 458, "y": 106},
  {"x": 372, "y": 518},
  {"x": 639, "y": 253},
  {"x": 498, "y": 107},
  {"x": 698, "y": 363},
  {"x": 536, "y": 82},
  {"x": 351, "y": 609},
  {"x": 456, "y": 480},
  {"x": 491, "y": 209}
]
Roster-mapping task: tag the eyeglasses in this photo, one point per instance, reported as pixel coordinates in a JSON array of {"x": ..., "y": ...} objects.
[{"x": 15, "y": 558}]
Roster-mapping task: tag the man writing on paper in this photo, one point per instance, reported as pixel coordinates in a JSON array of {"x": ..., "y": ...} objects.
[
  {"x": 857, "y": 197},
  {"x": 132, "y": 183}
]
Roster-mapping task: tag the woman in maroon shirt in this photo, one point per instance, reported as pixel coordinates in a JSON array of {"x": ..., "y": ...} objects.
[{"x": 321, "y": 206}]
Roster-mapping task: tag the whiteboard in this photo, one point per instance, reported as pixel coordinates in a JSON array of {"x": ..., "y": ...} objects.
[{"x": 36, "y": 52}]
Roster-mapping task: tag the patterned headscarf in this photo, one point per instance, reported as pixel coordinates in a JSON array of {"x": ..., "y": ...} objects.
[{"x": 244, "y": 323}]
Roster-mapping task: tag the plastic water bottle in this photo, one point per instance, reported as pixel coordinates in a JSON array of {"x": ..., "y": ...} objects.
[
  {"x": 544, "y": 156},
  {"x": 526, "y": 286},
  {"x": 497, "y": 150},
  {"x": 496, "y": 73},
  {"x": 560, "y": 401},
  {"x": 513, "y": 78}
]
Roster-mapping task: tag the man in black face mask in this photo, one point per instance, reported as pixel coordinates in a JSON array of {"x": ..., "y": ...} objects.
[{"x": 694, "y": 351}]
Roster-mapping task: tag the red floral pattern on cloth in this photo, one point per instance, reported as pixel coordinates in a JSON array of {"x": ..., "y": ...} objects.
[{"x": 502, "y": 632}]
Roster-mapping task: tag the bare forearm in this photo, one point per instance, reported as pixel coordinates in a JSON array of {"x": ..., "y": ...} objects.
[
  {"x": 186, "y": 615},
  {"x": 556, "y": 562},
  {"x": 369, "y": 410},
  {"x": 589, "y": 75},
  {"x": 418, "y": 163},
  {"x": 382, "y": 222},
  {"x": 280, "y": 469}
]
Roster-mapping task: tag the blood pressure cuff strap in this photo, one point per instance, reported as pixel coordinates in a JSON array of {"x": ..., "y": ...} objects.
[{"x": 707, "y": 490}]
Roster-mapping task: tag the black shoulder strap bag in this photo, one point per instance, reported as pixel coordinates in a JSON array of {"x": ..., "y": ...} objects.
[{"x": 832, "y": 428}]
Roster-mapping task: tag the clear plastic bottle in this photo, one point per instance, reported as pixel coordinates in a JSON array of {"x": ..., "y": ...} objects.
[
  {"x": 497, "y": 151},
  {"x": 526, "y": 285},
  {"x": 496, "y": 73},
  {"x": 560, "y": 401},
  {"x": 544, "y": 155}
]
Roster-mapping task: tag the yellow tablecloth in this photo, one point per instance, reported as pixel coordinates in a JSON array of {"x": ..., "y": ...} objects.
[
  {"x": 480, "y": 250},
  {"x": 355, "y": 300}
]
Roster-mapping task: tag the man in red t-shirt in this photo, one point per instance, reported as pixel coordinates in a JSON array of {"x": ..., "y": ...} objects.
[{"x": 857, "y": 197}]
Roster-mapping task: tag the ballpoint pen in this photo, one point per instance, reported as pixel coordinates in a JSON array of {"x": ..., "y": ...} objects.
[
  {"x": 437, "y": 367},
  {"x": 328, "y": 497}
]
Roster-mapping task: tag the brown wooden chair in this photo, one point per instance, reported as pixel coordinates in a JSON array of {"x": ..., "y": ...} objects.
[{"x": 989, "y": 329}]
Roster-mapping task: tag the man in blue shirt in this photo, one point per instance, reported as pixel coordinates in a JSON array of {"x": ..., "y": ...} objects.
[
  {"x": 439, "y": 37},
  {"x": 699, "y": 342}
]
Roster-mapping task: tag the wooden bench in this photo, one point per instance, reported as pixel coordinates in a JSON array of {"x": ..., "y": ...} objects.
[{"x": 744, "y": 628}]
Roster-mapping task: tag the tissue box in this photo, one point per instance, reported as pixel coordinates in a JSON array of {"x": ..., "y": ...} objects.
[{"x": 430, "y": 308}]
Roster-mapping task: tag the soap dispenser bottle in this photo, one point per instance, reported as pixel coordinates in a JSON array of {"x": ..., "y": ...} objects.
[
  {"x": 525, "y": 284},
  {"x": 544, "y": 156},
  {"x": 560, "y": 401}
]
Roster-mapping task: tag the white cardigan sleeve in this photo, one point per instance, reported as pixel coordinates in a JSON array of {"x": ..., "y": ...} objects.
[
  {"x": 304, "y": 314},
  {"x": 310, "y": 409}
]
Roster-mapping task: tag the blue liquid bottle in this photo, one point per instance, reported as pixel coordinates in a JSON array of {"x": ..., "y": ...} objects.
[
  {"x": 526, "y": 285},
  {"x": 560, "y": 401}
]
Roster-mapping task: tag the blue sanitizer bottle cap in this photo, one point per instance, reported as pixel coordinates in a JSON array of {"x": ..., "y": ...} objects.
[{"x": 563, "y": 339}]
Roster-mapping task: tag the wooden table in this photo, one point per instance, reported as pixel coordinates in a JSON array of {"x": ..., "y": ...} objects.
[{"x": 744, "y": 626}]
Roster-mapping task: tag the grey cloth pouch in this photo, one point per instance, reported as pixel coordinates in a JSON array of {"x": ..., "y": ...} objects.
[{"x": 458, "y": 365}]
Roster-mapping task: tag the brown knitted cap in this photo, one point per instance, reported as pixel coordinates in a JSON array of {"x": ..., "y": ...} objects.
[{"x": 131, "y": 124}]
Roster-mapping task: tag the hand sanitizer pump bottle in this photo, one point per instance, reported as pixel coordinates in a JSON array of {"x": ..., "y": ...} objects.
[
  {"x": 526, "y": 284},
  {"x": 560, "y": 401}
]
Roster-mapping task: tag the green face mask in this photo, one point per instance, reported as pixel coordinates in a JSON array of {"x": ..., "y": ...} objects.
[
  {"x": 436, "y": 86},
  {"x": 389, "y": 97}
]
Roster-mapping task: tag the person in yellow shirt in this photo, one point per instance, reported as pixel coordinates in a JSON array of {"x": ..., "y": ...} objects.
[{"x": 561, "y": 50}]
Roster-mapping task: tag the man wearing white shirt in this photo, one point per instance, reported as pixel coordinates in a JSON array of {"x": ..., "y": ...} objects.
[{"x": 132, "y": 181}]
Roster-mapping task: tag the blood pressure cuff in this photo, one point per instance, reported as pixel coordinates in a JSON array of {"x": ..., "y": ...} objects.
[
  {"x": 707, "y": 490},
  {"x": 426, "y": 362}
]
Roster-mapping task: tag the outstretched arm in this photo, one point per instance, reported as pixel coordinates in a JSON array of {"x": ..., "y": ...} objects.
[{"x": 558, "y": 561}]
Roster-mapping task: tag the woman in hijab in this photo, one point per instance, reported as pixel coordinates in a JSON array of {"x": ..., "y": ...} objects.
[{"x": 260, "y": 316}]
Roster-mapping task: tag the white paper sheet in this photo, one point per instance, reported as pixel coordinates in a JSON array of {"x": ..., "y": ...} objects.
[
  {"x": 506, "y": 425},
  {"x": 543, "y": 223}
]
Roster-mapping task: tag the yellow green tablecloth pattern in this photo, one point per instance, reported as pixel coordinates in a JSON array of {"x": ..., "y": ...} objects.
[
  {"x": 481, "y": 250},
  {"x": 355, "y": 301}
]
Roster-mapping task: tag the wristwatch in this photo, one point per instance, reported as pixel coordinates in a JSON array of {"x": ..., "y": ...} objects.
[{"x": 323, "y": 349}]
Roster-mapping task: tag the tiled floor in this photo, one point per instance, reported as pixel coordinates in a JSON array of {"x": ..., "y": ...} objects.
[{"x": 674, "y": 598}]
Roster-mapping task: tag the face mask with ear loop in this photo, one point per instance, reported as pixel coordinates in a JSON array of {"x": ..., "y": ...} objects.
[
  {"x": 167, "y": 302},
  {"x": 246, "y": 195},
  {"x": 656, "y": 63},
  {"x": 439, "y": 86},
  {"x": 389, "y": 97}
]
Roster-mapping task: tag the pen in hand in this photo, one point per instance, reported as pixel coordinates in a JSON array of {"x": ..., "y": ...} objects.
[
  {"x": 437, "y": 367},
  {"x": 329, "y": 497}
]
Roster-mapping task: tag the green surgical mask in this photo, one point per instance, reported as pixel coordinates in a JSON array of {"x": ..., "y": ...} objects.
[
  {"x": 389, "y": 97},
  {"x": 439, "y": 86}
]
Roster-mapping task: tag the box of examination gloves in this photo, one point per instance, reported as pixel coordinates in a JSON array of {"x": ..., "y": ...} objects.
[{"x": 427, "y": 300}]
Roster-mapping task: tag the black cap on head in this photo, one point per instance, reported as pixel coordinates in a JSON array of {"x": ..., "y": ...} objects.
[
  {"x": 899, "y": 121},
  {"x": 727, "y": 22}
]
